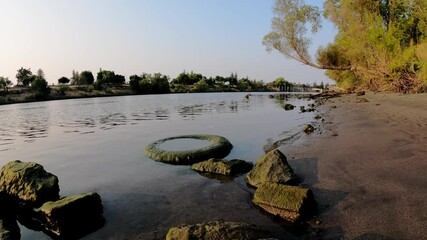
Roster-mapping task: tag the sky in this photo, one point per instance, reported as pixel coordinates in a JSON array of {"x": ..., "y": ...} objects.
[{"x": 211, "y": 37}]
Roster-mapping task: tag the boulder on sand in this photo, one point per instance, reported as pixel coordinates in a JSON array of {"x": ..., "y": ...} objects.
[
  {"x": 289, "y": 202},
  {"x": 224, "y": 167},
  {"x": 217, "y": 230},
  {"x": 272, "y": 167},
  {"x": 73, "y": 216},
  {"x": 29, "y": 182}
]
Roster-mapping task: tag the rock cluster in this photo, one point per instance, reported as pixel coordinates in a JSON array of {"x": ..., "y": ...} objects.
[
  {"x": 31, "y": 194},
  {"x": 273, "y": 177}
]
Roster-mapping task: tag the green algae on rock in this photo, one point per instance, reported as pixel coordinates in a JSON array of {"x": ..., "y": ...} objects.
[
  {"x": 271, "y": 167},
  {"x": 219, "y": 148},
  {"x": 29, "y": 182},
  {"x": 217, "y": 230},
  {"x": 289, "y": 202},
  {"x": 73, "y": 216},
  {"x": 224, "y": 167}
]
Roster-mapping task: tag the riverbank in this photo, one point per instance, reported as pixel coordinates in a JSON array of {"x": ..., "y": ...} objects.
[{"x": 368, "y": 167}]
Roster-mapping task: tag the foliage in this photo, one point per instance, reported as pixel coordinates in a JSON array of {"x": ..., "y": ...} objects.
[
  {"x": 86, "y": 77},
  {"x": 40, "y": 87},
  {"x": 24, "y": 76},
  {"x": 63, "y": 80},
  {"x": 105, "y": 78},
  {"x": 377, "y": 45},
  {"x": 63, "y": 89},
  {"x": 150, "y": 83},
  {"x": 5, "y": 83},
  {"x": 134, "y": 83},
  {"x": 200, "y": 86},
  {"x": 75, "y": 76}
]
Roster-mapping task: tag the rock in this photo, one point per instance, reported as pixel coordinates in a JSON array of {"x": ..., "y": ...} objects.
[
  {"x": 289, "y": 202},
  {"x": 317, "y": 117},
  {"x": 73, "y": 216},
  {"x": 272, "y": 167},
  {"x": 29, "y": 182},
  {"x": 308, "y": 128},
  {"x": 9, "y": 229},
  {"x": 288, "y": 107},
  {"x": 302, "y": 109},
  {"x": 217, "y": 230},
  {"x": 224, "y": 167},
  {"x": 361, "y": 100},
  {"x": 360, "y": 93}
]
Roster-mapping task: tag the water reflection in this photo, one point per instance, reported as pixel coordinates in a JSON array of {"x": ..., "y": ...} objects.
[
  {"x": 28, "y": 122},
  {"x": 33, "y": 123}
]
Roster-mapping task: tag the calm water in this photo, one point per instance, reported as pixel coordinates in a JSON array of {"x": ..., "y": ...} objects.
[{"x": 97, "y": 144}]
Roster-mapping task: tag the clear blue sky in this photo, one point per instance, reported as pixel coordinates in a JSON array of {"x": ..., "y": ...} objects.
[{"x": 212, "y": 37}]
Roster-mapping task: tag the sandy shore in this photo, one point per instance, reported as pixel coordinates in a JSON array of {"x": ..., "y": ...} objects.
[{"x": 368, "y": 167}]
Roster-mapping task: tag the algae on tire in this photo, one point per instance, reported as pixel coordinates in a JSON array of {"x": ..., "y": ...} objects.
[{"x": 219, "y": 148}]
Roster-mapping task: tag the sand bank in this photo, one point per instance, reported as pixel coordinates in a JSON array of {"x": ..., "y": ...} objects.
[{"x": 368, "y": 167}]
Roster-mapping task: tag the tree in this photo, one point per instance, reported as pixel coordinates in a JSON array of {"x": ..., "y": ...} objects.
[
  {"x": 5, "y": 83},
  {"x": 75, "y": 76},
  {"x": 375, "y": 48},
  {"x": 200, "y": 86},
  {"x": 63, "y": 80},
  {"x": 86, "y": 77},
  {"x": 289, "y": 28},
  {"x": 134, "y": 83},
  {"x": 159, "y": 82},
  {"x": 40, "y": 88},
  {"x": 40, "y": 73},
  {"x": 24, "y": 76}
]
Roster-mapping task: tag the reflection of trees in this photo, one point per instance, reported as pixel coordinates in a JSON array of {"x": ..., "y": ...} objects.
[
  {"x": 33, "y": 123},
  {"x": 158, "y": 114}
]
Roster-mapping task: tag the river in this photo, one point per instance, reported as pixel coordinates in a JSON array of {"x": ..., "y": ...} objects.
[{"x": 97, "y": 144}]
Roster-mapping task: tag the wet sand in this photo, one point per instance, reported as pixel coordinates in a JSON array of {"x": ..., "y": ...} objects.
[{"x": 367, "y": 167}]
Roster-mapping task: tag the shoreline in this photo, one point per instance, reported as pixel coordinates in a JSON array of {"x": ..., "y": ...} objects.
[{"x": 367, "y": 167}]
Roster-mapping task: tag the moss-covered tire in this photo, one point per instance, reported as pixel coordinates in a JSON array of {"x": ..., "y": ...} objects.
[{"x": 219, "y": 148}]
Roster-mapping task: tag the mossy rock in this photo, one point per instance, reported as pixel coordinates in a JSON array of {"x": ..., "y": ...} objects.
[
  {"x": 308, "y": 128},
  {"x": 220, "y": 147},
  {"x": 289, "y": 202},
  {"x": 29, "y": 182},
  {"x": 272, "y": 167},
  {"x": 223, "y": 167},
  {"x": 217, "y": 230},
  {"x": 73, "y": 216}
]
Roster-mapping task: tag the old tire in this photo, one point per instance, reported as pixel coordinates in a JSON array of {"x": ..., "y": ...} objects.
[{"x": 219, "y": 148}]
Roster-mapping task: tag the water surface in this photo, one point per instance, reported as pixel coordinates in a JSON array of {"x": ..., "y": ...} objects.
[{"x": 97, "y": 144}]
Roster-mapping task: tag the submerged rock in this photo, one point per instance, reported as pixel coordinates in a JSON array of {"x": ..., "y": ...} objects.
[
  {"x": 288, "y": 107},
  {"x": 73, "y": 216},
  {"x": 289, "y": 202},
  {"x": 308, "y": 128},
  {"x": 29, "y": 182},
  {"x": 224, "y": 167},
  {"x": 217, "y": 230},
  {"x": 271, "y": 167}
]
